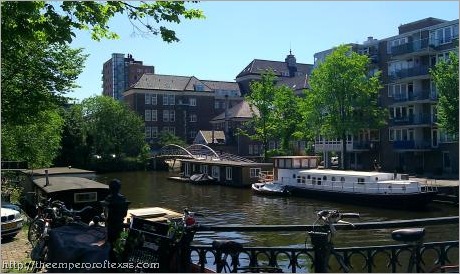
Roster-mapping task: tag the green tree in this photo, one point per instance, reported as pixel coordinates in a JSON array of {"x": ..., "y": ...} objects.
[
  {"x": 112, "y": 128},
  {"x": 260, "y": 99},
  {"x": 37, "y": 142},
  {"x": 166, "y": 138},
  {"x": 445, "y": 75},
  {"x": 285, "y": 116},
  {"x": 344, "y": 96}
]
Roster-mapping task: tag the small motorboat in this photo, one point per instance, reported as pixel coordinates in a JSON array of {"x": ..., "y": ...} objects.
[
  {"x": 201, "y": 179},
  {"x": 270, "y": 189}
]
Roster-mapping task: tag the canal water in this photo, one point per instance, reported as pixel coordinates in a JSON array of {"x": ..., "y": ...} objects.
[{"x": 223, "y": 205}]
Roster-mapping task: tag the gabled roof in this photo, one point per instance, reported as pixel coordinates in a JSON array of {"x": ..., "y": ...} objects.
[
  {"x": 258, "y": 67},
  {"x": 168, "y": 82},
  {"x": 221, "y": 85},
  {"x": 241, "y": 111}
]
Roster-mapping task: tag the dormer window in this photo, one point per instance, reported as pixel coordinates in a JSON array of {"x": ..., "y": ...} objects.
[
  {"x": 199, "y": 87},
  {"x": 285, "y": 73}
]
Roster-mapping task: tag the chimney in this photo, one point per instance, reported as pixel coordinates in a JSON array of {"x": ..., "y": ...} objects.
[{"x": 47, "y": 182}]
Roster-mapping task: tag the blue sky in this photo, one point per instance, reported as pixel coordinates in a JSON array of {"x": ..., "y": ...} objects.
[{"x": 236, "y": 32}]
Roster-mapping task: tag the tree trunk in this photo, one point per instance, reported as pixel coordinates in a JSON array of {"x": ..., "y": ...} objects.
[{"x": 344, "y": 151}]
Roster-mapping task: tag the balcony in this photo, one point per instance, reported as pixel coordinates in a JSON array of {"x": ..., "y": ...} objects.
[
  {"x": 418, "y": 96},
  {"x": 411, "y": 145},
  {"x": 410, "y": 72},
  {"x": 412, "y": 47},
  {"x": 411, "y": 120},
  {"x": 321, "y": 146}
]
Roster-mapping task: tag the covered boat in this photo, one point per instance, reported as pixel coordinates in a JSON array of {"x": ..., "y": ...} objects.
[
  {"x": 201, "y": 179},
  {"x": 270, "y": 189}
]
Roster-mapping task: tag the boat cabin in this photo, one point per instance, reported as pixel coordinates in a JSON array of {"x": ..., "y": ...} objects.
[
  {"x": 232, "y": 173},
  {"x": 285, "y": 166},
  {"x": 75, "y": 192}
]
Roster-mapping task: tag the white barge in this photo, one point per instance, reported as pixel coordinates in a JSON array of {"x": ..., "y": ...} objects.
[{"x": 302, "y": 178}]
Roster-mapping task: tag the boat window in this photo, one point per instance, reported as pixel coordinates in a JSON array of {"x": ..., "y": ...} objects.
[
  {"x": 376, "y": 178},
  {"x": 324, "y": 178},
  {"x": 296, "y": 163},
  {"x": 313, "y": 180},
  {"x": 360, "y": 180},
  {"x": 85, "y": 197},
  {"x": 303, "y": 179},
  {"x": 305, "y": 163},
  {"x": 333, "y": 179},
  {"x": 342, "y": 179},
  {"x": 288, "y": 163},
  {"x": 293, "y": 176},
  {"x": 308, "y": 177},
  {"x": 281, "y": 163},
  {"x": 319, "y": 181},
  {"x": 298, "y": 179},
  {"x": 254, "y": 172}
]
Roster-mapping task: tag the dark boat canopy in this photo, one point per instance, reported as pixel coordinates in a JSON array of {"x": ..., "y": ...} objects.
[{"x": 57, "y": 184}]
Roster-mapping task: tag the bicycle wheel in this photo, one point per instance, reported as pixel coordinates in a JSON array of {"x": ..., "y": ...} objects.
[{"x": 36, "y": 229}]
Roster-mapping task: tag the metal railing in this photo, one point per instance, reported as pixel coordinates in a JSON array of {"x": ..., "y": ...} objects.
[{"x": 384, "y": 258}]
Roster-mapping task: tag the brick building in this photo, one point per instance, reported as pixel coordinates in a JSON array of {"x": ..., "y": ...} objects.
[
  {"x": 182, "y": 105},
  {"x": 120, "y": 72}
]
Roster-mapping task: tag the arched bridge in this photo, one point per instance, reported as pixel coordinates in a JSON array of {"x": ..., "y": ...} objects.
[{"x": 196, "y": 151}]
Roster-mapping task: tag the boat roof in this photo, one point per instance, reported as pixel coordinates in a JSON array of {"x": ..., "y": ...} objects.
[
  {"x": 344, "y": 172},
  {"x": 64, "y": 183},
  {"x": 295, "y": 157},
  {"x": 227, "y": 163},
  {"x": 58, "y": 171}
]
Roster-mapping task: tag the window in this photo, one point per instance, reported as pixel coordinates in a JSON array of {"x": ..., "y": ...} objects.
[
  {"x": 319, "y": 181},
  {"x": 271, "y": 145},
  {"x": 216, "y": 105},
  {"x": 193, "y": 117},
  {"x": 148, "y": 132},
  {"x": 228, "y": 173},
  {"x": 147, "y": 99},
  {"x": 444, "y": 35},
  {"x": 254, "y": 172},
  {"x": 215, "y": 172},
  {"x": 165, "y": 115},
  {"x": 171, "y": 99},
  {"x": 172, "y": 116},
  {"x": 333, "y": 179},
  {"x": 154, "y": 115},
  {"x": 192, "y": 134},
  {"x": 434, "y": 138},
  {"x": 153, "y": 98},
  {"x": 85, "y": 197},
  {"x": 256, "y": 149},
  {"x": 360, "y": 180},
  {"x": 342, "y": 179},
  {"x": 192, "y": 102},
  {"x": 148, "y": 115},
  {"x": 154, "y": 132},
  {"x": 204, "y": 169},
  {"x": 199, "y": 87},
  {"x": 165, "y": 99},
  {"x": 250, "y": 150}
]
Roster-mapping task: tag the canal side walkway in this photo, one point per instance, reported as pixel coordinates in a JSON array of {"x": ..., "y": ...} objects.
[{"x": 15, "y": 252}]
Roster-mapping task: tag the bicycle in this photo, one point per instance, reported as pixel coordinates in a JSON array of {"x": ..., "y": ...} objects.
[
  {"x": 414, "y": 238},
  {"x": 322, "y": 235}
]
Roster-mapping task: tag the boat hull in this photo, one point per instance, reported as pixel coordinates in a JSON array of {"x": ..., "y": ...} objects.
[{"x": 398, "y": 201}]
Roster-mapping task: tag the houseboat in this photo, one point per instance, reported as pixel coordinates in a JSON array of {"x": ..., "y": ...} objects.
[
  {"x": 225, "y": 172},
  {"x": 302, "y": 178},
  {"x": 75, "y": 192}
]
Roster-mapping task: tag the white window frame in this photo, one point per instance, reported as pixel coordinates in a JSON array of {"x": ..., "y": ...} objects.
[
  {"x": 154, "y": 115},
  {"x": 154, "y": 99},
  {"x": 165, "y": 115},
  {"x": 391, "y": 135},
  {"x": 148, "y": 132},
  {"x": 192, "y": 102},
  {"x": 172, "y": 115},
  {"x": 147, "y": 99},
  {"x": 154, "y": 132},
  {"x": 165, "y": 99},
  {"x": 254, "y": 172},
  {"x": 171, "y": 99},
  {"x": 148, "y": 115},
  {"x": 193, "y": 118},
  {"x": 228, "y": 173}
]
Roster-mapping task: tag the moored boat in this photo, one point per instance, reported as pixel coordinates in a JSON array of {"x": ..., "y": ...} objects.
[
  {"x": 202, "y": 179},
  {"x": 270, "y": 189},
  {"x": 359, "y": 187}
]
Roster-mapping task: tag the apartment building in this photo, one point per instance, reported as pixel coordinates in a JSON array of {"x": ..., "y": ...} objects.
[
  {"x": 412, "y": 140},
  {"x": 120, "y": 72},
  {"x": 181, "y": 105}
]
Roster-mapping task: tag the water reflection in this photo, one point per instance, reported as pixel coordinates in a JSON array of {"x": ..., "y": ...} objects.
[{"x": 226, "y": 205}]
